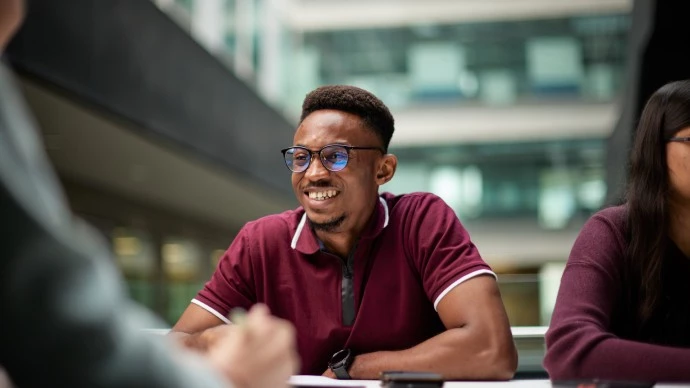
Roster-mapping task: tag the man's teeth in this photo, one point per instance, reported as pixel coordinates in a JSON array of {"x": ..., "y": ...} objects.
[{"x": 321, "y": 195}]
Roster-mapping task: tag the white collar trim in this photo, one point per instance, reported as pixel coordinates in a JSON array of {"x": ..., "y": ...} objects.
[
  {"x": 385, "y": 210},
  {"x": 293, "y": 245},
  {"x": 303, "y": 221}
]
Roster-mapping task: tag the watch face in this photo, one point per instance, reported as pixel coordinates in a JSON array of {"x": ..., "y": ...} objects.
[{"x": 340, "y": 357}]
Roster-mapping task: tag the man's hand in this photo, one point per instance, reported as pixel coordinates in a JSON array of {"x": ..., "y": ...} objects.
[
  {"x": 329, "y": 373},
  {"x": 260, "y": 353}
]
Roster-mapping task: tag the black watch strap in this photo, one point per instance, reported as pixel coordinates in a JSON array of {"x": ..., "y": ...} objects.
[{"x": 340, "y": 364}]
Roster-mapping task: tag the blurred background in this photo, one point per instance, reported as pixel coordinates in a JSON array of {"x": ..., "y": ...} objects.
[
  {"x": 164, "y": 118},
  {"x": 502, "y": 108}
]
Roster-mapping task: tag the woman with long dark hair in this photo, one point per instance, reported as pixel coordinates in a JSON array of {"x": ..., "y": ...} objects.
[{"x": 623, "y": 307}]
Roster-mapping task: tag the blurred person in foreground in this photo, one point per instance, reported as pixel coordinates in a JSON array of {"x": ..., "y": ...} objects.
[
  {"x": 65, "y": 320},
  {"x": 623, "y": 307},
  {"x": 371, "y": 281}
]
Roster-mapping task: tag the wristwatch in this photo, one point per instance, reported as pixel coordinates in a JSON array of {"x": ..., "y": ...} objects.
[{"x": 340, "y": 363}]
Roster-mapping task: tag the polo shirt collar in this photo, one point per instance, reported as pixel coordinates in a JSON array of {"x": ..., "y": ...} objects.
[{"x": 305, "y": 241}]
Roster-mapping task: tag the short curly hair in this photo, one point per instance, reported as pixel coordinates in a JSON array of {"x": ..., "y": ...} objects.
[{"x": 373, "y": 112}]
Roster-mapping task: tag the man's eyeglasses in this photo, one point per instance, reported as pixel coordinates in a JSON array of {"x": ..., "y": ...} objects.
[
  {"x": 333, "y": 156},
  {"x": 680, "y": 139}
]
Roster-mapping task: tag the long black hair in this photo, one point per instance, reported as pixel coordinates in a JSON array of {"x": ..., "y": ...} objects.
[{"x": 667, "y": 111}]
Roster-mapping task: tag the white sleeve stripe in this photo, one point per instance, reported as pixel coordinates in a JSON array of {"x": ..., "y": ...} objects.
[
  {"x": 461, "y": 280},
  {"x": 210, "y": 310}
]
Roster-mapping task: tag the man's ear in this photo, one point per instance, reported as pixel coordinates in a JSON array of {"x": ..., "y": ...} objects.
[{"x": 386, "y": 169}]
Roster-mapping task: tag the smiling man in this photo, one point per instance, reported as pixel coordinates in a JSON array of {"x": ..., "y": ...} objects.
[{"x": 371, "y": 281}]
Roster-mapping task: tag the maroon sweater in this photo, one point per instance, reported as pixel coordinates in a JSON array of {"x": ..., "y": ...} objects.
[{"x": 591, "y": 335}]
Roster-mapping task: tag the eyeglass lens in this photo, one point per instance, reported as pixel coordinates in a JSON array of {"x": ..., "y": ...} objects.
[{"x": 333, "y": 157}]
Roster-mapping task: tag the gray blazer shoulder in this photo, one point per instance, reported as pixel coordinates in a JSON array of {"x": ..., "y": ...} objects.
[{"x": 66, "y": 320}]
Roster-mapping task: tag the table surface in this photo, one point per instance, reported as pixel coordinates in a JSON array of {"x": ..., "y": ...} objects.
[
  {"x": 518, "y": 331},
  {"x": 467, "y": 384},
  {"x": 455, "y": 384}
]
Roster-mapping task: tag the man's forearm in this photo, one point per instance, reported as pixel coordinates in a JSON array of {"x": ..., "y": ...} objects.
[
  {"x": 195, "y": 341},
  {"x": 456, "y": 354}
]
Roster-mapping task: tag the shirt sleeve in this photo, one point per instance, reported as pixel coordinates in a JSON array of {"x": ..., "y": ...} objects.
[
  {"x": 231, "y": 285},
  {"x": 440, "y": 247},
  {"x": 579, "y": 342},
  {"x": 66, "y": 320}
]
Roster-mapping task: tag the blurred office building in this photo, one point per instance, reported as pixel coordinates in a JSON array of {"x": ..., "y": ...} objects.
[
  {"x": 502, "y": 107},
  {"x": 165, "y": 119}
]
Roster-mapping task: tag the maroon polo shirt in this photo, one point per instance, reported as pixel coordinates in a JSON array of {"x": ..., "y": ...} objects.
[{"x": 412, "y": 253}]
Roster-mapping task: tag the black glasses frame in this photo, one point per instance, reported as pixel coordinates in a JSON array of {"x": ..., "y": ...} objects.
[
  {"x": 680, "y": 139},
  {"x": 319, "y": 152}
]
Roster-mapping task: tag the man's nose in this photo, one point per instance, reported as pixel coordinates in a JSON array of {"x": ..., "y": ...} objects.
[{"x": 316, "y": 170}]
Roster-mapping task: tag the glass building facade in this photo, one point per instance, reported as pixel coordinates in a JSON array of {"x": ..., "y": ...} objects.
[{"x": 544, "y": 185}]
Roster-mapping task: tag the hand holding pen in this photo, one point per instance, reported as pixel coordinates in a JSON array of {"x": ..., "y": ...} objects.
[{"x": 259, "y": 350}]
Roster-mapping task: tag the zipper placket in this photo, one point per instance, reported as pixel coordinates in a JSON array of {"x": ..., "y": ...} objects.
[{"x": 347, "y": 296}]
